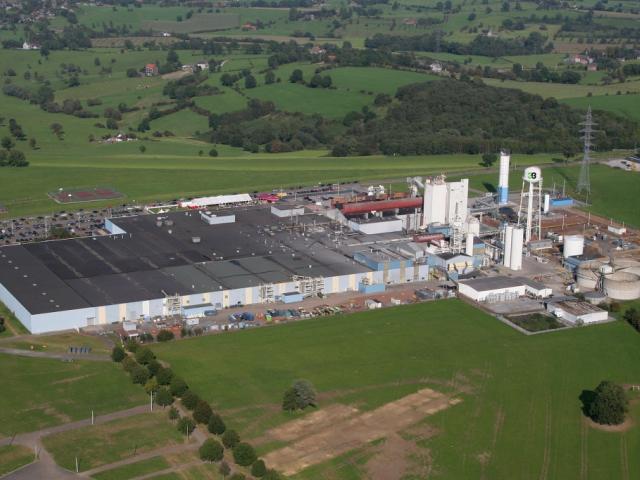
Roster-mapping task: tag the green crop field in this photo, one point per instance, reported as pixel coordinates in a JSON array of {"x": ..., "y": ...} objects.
[
  {"x": 40, "y": 392},
  {"x": 522, "y": 409}
]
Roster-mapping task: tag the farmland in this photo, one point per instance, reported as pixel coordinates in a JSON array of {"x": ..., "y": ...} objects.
[
  {"x": 445, "y": 345},
  {"x": 43, "y": 392}
]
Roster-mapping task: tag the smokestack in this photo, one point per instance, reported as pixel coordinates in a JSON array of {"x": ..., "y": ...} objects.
[{"x": 503, "y": 179}]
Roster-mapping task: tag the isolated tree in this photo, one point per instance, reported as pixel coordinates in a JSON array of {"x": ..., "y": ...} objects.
[
  {"x": 118, "y": 353},
  {"x": 216, "y": 424},
  {"x": 33, "y": 143},
  {"x": 296, "y": 76},
  {"x": 230, "y": 439},
  {"x": 299, "y": 396},
  {"x": 164, "y": 397},
  {"x": 178, "y": 386},
  {"x": 609, "y": 405},
  {"x": 569, "y": 152},
  {"x": 7, "y": 143},
  {"x": 315, "y": 81},
  {"x": 269, "y": 77},
  {"x": 224, "y": 469},
  {"x": 250, "y": 81},
  {"x": 211, "y": 451},
  {"x": 244, "y": 454},
  {"x": 186, "y": 426},
  {"x": 489, "y": 159},
  {"x": 213, "y": 152},
  {"x": 258, "y": 469},
  {"x": 190, "y": 400},
  {"x": 142, "y": 148},
  {"x": 144, "y": 355},
  {"x": 202, "y": 413}
]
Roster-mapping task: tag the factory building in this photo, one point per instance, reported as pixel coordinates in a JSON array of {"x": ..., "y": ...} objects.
[
  {"x": 495, "y": 289},
  {"x": 445, "y": 202},
  {"x": 577, "y": 312},
  {"x": 181, "y": 264}
]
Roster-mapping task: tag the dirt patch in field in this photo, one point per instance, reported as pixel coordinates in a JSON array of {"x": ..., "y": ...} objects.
[
  {"x": 315, "y": 422},
  {"x": 72, "y": 379},
  {"x": 315, "y": 444},
  {"x": 623, "y": 427}
]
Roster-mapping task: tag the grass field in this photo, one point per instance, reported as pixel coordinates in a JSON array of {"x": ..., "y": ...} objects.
[
  {"x": 13, "y": 457},
  {"x": 59, "y": 343},
  {"x": 133, "y": 470},
  {"x": 39, "y": 392},
  {"x": 624, "y": 105},
  {"x": 561, "y": 91},
  {"x": 109, "y": 442},
  {"x": 522, "y": 412}
]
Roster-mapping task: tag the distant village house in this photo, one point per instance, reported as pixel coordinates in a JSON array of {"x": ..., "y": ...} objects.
[{"x": 150, "y": 70}]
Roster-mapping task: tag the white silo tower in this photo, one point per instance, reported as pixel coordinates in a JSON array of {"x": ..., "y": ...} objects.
[{"x": 506, "y": 243}]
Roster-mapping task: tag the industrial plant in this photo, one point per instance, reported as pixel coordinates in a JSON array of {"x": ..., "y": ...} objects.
[{"x": 521, "y": 251}]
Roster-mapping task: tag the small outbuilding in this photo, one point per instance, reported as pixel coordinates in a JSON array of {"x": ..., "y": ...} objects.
[{"x": 577, "y": 312}]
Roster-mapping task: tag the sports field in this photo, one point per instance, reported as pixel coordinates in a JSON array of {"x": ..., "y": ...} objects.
[
  {"x": 520, "y": 412},
  {"x": 38, "y": 393}
]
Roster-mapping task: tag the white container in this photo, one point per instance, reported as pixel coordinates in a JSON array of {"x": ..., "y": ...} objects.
[{"x": 508, "y": 234}]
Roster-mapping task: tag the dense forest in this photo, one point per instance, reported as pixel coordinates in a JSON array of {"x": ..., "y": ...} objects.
[{"x": 467, "y": 117}]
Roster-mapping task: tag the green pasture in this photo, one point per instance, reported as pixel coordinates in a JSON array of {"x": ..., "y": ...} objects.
[
  {"x": 521, "y": 408},
  {"x": 40, "y": 392},
  {"x": 623, "y": 105},
  {"x": 562, "y": 91}
]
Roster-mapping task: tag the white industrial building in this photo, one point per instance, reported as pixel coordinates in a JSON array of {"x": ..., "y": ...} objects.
[
  {"x": 497, "y": 289},
  {"x": 577, "y": 312},
  {"x": 445, "y": 202}
]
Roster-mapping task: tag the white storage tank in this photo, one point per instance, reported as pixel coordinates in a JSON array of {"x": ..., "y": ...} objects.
[
  {"x": 473, "y": 226},
  {"x": 573, "y": 246},
  {"x": 622, "y": 286},
  {"x": 517, "y": 242},
  {"x": 469, "y": 244}
]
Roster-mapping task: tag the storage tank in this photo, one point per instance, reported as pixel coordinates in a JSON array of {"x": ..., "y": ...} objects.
[
  {"x": 573, "y": 246},
  {"x": 587, "y": 278},
  {"x": 508, "y": 233},
  {"x": 622, "y": 286},
  {"x": 517, "y": 242},
  {"x": 547, "y": 203},
  {"x": 503, "y": 179},
  {"x": 468, "y": 246}
]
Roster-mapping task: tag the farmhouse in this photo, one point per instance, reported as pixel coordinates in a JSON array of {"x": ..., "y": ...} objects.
[
  {"x": 436, "y": 67},
  {"x": 151, "y": 69},
  {"x": 317, "y": 50}
]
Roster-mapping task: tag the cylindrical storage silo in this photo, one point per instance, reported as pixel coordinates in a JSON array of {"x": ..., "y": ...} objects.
[
  {"x": 468, "y": 246},
  {"x": 508, "y": 233},
  {"x": 547, "y": 203},
  {"x": 587, "y": 278},
  {"x": 622, "y": 286},
  {"x": 573, "y": 246},
  {"x": 517, "y": 241}
]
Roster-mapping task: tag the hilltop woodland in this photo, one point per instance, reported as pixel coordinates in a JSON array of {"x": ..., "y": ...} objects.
[{"x": 438, "y": 117}]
